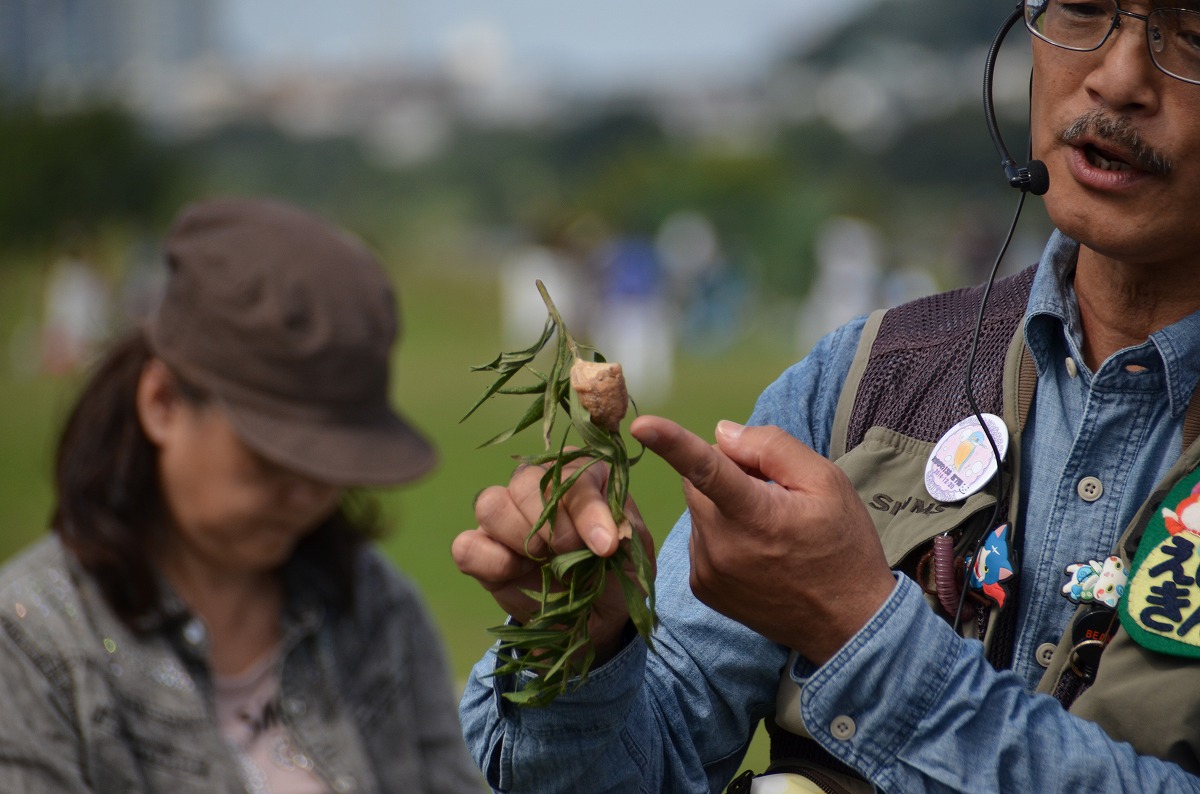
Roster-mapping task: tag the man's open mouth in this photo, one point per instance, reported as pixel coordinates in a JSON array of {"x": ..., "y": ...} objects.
[
  {"x": 1105, "y": 161},
  {"x": 1114, "y": 144}
]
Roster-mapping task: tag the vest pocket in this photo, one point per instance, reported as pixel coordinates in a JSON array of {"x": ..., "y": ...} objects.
[{"x": 888, "y": 471}]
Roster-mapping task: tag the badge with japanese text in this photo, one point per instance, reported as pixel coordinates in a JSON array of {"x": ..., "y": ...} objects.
[
  {"x": 962, "y": 461},
  {"x": 1161, "y": 607}
]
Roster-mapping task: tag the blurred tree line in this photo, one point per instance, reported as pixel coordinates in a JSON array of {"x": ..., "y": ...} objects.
[
  {"x": 613, "y": 159},
  {"x": 80, "y": 169},
  {"x": 100, "y": 166}
]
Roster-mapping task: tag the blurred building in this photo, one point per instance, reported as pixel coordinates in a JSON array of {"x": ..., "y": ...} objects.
[{"x": 65, "y": 51}]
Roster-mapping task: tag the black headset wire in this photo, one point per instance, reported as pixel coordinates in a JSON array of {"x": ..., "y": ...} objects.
[
  {"x": 1037, "y": 185},
  {"x": 968, "y": 377}
]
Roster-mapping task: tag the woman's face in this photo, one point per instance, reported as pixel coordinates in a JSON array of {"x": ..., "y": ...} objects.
[{"x": 232, "y": 510}]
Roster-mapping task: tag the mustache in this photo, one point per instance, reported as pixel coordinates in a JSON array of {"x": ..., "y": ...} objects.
[{"x": 1121, "y": 132}]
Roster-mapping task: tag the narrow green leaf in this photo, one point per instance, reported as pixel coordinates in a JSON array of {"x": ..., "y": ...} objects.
[
  {"x": 532, "y": 351},
  {"x": 526, "y": 696},
  {"x": 531, "y": 388},
  {"x": 550, "y": 398},
  {"x": 643, "y": 565},
  {"x": 549, "y": 457},
  {"x": 561, "y": 564},
  {"x": 635, "y": 602},
  {"x": 524, "y": 635},
  {"x": 562, "y": 663},
  {"x": 532, "y": 414},
  {"x": 570, "y": 611},
  {"x": 488, "y": 392}
]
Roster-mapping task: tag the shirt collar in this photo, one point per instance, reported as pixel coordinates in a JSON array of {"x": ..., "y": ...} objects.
[
  {"x": 307, "y": 589},
  {"x": 1052, "y": 319},
  {"x": 1053, "y": 313}
]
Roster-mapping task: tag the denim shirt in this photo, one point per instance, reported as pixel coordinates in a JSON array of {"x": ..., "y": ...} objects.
[
  {"x": 89, "y": 705},
  {"x": 897, "y": 703}
]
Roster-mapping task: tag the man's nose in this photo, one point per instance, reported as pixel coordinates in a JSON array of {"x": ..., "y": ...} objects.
[{"x": 1125, "y": 78}]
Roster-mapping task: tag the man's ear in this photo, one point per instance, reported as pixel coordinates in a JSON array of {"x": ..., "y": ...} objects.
[{"x": 159, "y": 402}]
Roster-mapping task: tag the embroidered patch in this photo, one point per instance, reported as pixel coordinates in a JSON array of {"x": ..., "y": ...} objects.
[{"x": 1161, "y": 607}]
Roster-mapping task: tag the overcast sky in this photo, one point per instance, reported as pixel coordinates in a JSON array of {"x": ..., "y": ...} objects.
[{"x": 605, "y": 43}]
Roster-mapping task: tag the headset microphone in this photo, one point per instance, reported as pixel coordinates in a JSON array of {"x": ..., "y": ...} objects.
[{"x": 1033, "y": 176}]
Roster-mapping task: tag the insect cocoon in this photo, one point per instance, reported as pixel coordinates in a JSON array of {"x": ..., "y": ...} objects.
[{"x": 601, "y": 389}]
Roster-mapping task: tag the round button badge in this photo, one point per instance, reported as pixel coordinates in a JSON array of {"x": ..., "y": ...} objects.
[{"x": 962, "y": 461}]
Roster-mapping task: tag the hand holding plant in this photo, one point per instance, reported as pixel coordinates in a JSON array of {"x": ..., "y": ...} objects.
[{"x": 554, "y": 643}]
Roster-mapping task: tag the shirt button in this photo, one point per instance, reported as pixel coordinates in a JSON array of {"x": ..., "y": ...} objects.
[
  {"x": 344, "y": 784},
  {"x": 1045, "y": 653},
  {"x": 843, "y": 728},
  {"x": 1090, "y": 489},
  {"x": 1072, "y": 368},
  {"x": 295, "y": 706}
]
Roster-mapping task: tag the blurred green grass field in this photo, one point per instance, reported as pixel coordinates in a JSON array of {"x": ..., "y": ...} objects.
[{"x": 451, "y": 321}]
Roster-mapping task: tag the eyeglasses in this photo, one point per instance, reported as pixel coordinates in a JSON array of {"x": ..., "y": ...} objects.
[{"x": 1172, "y": 34}]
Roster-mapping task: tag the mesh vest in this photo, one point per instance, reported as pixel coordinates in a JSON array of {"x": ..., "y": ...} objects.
[{"x": 904, "y": 389}]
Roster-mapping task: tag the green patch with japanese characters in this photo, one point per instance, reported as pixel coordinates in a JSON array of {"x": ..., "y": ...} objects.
[{"x": 1161, "y": 607}]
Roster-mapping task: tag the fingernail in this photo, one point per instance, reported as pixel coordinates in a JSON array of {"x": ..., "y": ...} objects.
[
  {"x": 730, "y": 430},
  {"x": 646, "y": 436},
  {"x": 600, "y": 538}
]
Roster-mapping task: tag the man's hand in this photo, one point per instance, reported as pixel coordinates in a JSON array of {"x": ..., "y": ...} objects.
[
  {"x": 780, "y": 540},
  {"x": 496, "y": 553}
]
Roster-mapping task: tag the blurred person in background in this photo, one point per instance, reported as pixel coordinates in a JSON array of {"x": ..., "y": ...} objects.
[
  {"x": 209, "y": 614},
  {"x": 634, "y": 322},
  {"x": 75, "y": 315},
  {"x": 838, "y": 567}
]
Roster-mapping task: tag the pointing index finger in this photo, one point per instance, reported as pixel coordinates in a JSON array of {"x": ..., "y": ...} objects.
[{"x": 706, "y": 467}]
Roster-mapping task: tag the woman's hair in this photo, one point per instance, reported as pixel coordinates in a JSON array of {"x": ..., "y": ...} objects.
[{"x": 109, "y": 507}]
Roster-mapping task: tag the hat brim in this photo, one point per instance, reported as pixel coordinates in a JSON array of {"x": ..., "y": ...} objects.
[{"x": 385, "y": 451}]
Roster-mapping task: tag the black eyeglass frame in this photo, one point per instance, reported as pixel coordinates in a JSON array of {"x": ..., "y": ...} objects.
[{"x": 1114, "y": 23}]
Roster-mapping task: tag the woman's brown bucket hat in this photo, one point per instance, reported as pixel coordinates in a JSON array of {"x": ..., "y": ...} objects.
[{"x": 288, "y": 323}]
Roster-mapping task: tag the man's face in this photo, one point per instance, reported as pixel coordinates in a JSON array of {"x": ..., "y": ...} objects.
[{"x": 1122, "y": 143}]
